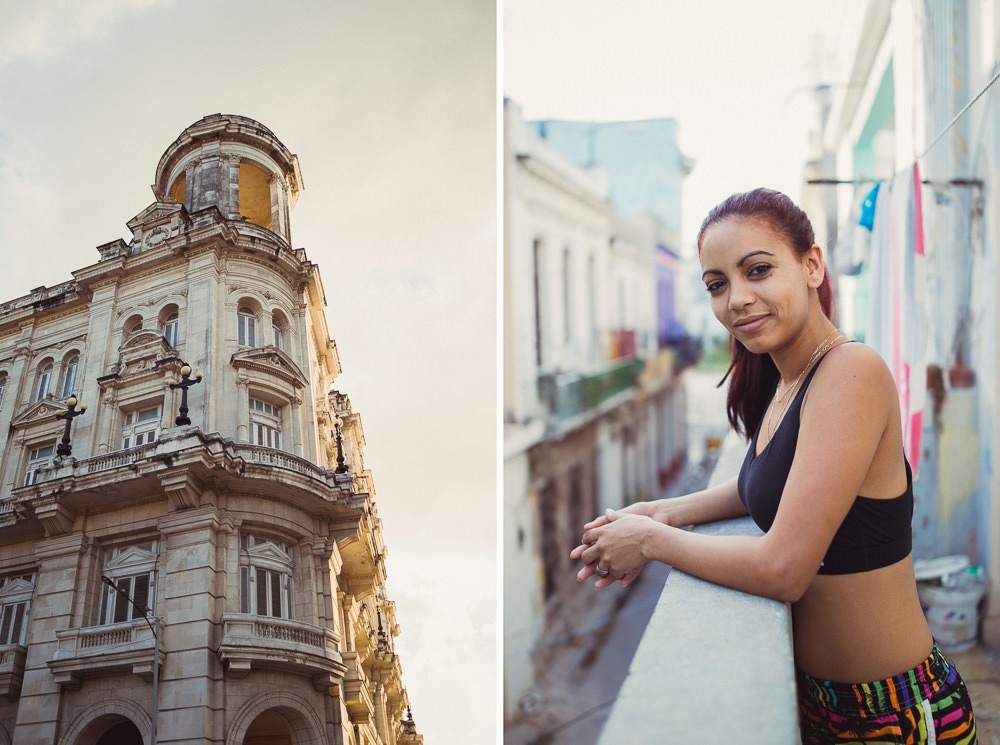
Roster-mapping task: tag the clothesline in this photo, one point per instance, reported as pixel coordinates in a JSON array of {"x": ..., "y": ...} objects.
[{"x": 960, "y": 114}]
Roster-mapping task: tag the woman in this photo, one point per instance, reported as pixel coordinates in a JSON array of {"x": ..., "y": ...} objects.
[{"x": 824, "y": 421}]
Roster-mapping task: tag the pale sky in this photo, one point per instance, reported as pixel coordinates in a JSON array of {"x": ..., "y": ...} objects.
[
  {"x": 390, "y": 107},
  {"x": 736, "y": 75}
]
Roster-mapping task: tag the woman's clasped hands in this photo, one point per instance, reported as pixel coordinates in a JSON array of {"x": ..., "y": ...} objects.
[{"x": 611, "y": 546}]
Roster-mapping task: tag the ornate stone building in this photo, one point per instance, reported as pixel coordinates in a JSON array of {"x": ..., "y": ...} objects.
[{"x": 217, "y": 577}]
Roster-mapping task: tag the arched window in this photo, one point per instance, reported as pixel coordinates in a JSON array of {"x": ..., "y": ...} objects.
[
  {"x": 265, "y": 577},
  {"x": 44, "y": 381},
  {"x": 170, "y": 329},
  {"x": 132, "y": 325},
  {"x": 279, "y": 329},
  {"x": 247, "y": 326},
  {"x": 69, "y": 376}
]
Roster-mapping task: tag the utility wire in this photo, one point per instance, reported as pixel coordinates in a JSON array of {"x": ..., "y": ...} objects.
[{"x": 960, "y": 114}]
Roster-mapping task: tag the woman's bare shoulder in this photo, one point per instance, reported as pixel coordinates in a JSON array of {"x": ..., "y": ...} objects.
[
  {"x": 854, "y": 359},
  {"x": 854, "y": 374}
]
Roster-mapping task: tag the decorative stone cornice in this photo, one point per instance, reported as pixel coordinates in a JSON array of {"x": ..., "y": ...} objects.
[{"x": 270, "y": 361}]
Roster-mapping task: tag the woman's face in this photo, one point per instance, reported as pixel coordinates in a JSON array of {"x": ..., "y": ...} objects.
[{"x": 759, "y": 286}]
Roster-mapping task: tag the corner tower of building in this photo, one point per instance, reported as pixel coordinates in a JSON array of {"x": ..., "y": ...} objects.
[
  {"x": 198, "y": 555},
  {"x": 235, "y": 164}
]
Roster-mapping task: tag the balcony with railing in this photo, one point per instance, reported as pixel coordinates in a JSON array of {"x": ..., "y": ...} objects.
[
  {"x": 99, "y": 650},
  {"x": 250, "y": 641},
  {"x": 12, "y": 658},
  {"x": 176, "y": 464},
  {"x": 567, "y": 395},
  {"x": 707, "y": 644}
]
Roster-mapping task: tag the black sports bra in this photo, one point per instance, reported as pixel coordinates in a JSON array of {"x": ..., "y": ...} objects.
[{"x": 875, "y": 532}]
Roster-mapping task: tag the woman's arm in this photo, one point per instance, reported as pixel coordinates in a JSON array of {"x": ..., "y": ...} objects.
[
  {"x": 719, "y": 502},
  {"x": 843, "y": 420}
]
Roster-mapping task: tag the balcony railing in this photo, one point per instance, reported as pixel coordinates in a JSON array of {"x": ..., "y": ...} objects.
[
  {"x": 96, "y": 650},
  {"x": 567, "y": 396},
  {"x": 250, "y": 641},
  {"x": 707, "y": 644},
  {"x": 12, "y": 658}
]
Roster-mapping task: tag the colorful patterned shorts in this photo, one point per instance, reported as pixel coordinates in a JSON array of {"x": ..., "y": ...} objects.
[{"x": 926, "y": 705}]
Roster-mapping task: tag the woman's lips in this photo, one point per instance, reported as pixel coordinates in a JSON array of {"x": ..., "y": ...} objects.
[{"x": 750, "y": 325}]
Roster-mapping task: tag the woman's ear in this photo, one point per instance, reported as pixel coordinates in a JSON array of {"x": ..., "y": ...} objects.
[{"x": 815, "y": 266}]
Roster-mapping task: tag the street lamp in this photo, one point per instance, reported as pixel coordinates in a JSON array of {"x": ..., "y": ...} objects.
[
  {"x": 145, "y": 611},
  {"x": 185, "y": 383},
  {"x": 341, "y": 463},
  {"x": 64, "y": 447}
]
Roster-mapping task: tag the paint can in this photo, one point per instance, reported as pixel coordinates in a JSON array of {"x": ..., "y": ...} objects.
[{"x": 950, "y": 591}]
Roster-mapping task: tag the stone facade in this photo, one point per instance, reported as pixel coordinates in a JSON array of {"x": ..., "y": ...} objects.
[
  {"x": 251, "y": 533},
  {"x": 594, "y": 407}
]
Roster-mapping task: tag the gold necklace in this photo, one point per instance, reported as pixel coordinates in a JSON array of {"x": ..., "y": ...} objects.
[{"x": 785, "y": 399}]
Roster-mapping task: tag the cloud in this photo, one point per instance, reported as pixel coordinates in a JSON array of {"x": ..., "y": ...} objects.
[{"x": 43, "y": 31}]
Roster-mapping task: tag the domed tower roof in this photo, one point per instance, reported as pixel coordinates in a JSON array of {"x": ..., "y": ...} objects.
[{"x": 235, "y": 164}]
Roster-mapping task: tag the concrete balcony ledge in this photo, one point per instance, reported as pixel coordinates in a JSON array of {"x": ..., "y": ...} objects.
[
  {"x": 12, "y": 657},
  {"x": 714, "y": 665},
  {"x": 250, "y": 641},
  {"x": 97, "y": 650}
]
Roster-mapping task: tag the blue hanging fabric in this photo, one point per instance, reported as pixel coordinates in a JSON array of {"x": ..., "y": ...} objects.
[{"x": 867, "y": 218}]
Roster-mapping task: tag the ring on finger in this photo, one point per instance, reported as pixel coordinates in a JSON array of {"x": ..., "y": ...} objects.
[{"x": 602, "y": 571}]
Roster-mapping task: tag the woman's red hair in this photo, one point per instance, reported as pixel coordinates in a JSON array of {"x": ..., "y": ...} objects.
[{"x": 753, "y": 377}]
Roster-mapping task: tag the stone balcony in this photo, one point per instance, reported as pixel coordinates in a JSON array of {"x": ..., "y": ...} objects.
[
  {"x": 12, "y": 658},
  {"x": 178, "y": 466},
  {"x": 98, "y": 650},
  {"x": 258, "y": 642},
  {"x": 357, "y": 697}
]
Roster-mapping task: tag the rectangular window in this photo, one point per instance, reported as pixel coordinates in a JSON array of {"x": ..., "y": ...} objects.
[
  {"x": 3, "y": 387},
  {"x": 247, "y": 330},
  {"x": 142, "y": 427},
  {"x": 12, "y": 626},
  {"x": 170, "y": 331},
  {"x": 37, "y": 458},
  {"x": 567, "y": 297},
  {"x": 265, "y": 424},
  {"x": 265, "y": 577},
  {"x": 115, "y": 606},
  {"x": 269, "y": 591},
  {"x": 536, "y": 259}
]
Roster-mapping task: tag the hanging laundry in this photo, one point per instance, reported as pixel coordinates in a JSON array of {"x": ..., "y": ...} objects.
[{"x": 898, "y": 309}]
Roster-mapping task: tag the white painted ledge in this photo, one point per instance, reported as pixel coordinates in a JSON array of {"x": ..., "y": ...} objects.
[{"x": 715, "y": 665}]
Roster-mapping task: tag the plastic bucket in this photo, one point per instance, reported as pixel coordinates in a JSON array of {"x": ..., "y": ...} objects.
[{"x": 952, "y": 613}]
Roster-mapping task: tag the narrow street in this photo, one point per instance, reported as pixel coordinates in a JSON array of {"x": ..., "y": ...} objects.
[{"x": 586, "y": 662}]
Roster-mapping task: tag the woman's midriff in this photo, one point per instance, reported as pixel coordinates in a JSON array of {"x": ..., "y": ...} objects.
[{"x": 855, "y": 628}]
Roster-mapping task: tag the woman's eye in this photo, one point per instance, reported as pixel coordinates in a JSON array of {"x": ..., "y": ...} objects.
[
  {"x": 759, "y": 270},
  {"x": 715, "y": 286}
]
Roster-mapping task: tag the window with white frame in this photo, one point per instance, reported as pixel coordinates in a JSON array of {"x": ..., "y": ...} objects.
[
  {"x": 37, "y": 458},
  {"x": 132, "y": 571},
  {"x": 44, "y": 381},
  {"x": 277, "y": 333},
  {"x": 265, "y": 577},
  {"x": 141, "y": 427},
  {"x": 265, "y": 424},
  {"x": 170, "y": 329},
  {"x": 15, "y": 605},
  {"x": 69, "y": 376},
  {"x": 3, "y": 387},
  {"x": 246, "y": 327}
]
